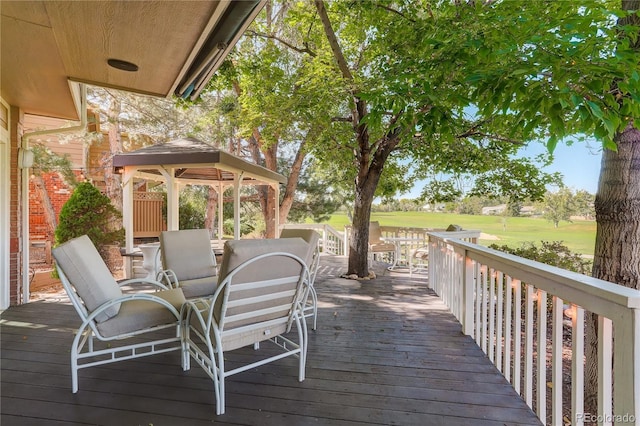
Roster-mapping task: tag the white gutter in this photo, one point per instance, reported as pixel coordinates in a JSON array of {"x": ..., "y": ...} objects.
[{"x": 24, "y": 145}]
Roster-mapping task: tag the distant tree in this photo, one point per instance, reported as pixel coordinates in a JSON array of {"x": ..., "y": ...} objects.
[
  {"x": 584, "y": 204},
  {"x": 558, "y": 206},
  {"x": 192, "y": 206},
  {"x": 470, "y": 205}
]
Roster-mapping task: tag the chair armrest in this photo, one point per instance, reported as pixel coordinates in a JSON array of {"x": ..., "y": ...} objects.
[
  {"x": 129, "y": 297},
  {"x": 168, "y": 278}
]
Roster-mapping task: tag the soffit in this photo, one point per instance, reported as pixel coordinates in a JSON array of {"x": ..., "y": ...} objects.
[{"x": 46, "y": 44}]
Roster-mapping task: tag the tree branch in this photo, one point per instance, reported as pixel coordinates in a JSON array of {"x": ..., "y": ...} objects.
[
  {"x": 397, "y": 12},
  {"x": 333, "y": 41},
  {"x": 286, "y": 43}
]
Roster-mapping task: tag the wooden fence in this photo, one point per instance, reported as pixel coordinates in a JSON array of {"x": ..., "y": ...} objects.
[{"x": 148, "y": 220}]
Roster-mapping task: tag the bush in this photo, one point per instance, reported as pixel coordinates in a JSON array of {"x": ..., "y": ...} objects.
[
  {"x": 90, "y": 212},
  {"x": 552, "y": 253}
]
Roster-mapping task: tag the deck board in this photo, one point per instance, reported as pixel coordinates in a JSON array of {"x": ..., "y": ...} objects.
[{"x": 386, "y": 351}]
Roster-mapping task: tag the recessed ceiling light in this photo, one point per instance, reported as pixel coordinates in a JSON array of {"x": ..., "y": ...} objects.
[{"x": 122, "y": 65}]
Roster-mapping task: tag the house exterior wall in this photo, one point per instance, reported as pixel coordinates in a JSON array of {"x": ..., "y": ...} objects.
[
  {"x": 5, "y": 197},
  {"x": 16, "y": 246},
  {"x": 73, "y": 148}
]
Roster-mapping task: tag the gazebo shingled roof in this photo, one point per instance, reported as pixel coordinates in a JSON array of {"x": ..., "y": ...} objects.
[{"x": 194, "y": 159}]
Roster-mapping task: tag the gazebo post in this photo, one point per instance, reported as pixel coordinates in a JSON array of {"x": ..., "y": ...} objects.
[
  {"x": 237, "y": 180},
  {"x": 221, "y": 189},
  {"x": 276, "y": 207},
  {"x": 127, "y": 215},
  {"x": 173, "y": 195}
]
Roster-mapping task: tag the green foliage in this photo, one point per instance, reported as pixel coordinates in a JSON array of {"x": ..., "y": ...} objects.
[
  {"x": 440, "y": 192},
  {"x": 552, "y": 253},
  {"x": 246, "y": 227},
  {"x": 89, "y": 212},
  {"x": 564, "y": 69},
  {"x": 192, "y": 207}
]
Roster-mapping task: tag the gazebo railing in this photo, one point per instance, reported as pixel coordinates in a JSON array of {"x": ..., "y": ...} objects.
[{"x": 519, "y": 312}]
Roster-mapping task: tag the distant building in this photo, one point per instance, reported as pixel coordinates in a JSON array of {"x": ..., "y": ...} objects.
[
  {"x": 500, "y": 209},
  {"x": 494, "y": 210},
  {"x": 527, "y": 211}
]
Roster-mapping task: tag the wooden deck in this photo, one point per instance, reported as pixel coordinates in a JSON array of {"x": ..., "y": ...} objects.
[{"x": 386, "y": 352}]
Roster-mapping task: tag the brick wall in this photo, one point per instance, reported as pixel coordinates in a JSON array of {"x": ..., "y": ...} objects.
[{"x": 59, "y": 192}]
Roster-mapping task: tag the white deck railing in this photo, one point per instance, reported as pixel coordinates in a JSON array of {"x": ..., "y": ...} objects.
[
  {"x": 498, "y": 298},
  {"x": 331, "y": 240}
]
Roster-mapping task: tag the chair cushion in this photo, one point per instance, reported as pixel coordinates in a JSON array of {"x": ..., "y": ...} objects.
[
  {"x": 309, "y": 235},
  {"x": 380, "y": 247},
  {"x": 375, "y": 234},
  {"x": 137, "y": 315},
  {"x": 239, "y": 251},
  {"x": 199, "y": 287},
  {"x": 188, "y": 253},
  {"x": 88, "y": 274}
]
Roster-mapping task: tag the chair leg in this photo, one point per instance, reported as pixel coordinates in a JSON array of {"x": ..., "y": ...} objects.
[
  {"x": 74, "y": 374},
  {"x": 302, "y": 336},
  {"x": 219, "y": 373},
  {"x": 314, "y": 301}
]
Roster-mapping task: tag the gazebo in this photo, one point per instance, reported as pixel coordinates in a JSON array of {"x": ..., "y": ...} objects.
[{"x": 190, "y": 161}]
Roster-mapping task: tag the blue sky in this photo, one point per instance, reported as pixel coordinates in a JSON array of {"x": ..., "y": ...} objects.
[{"x": 579, "y": 165}]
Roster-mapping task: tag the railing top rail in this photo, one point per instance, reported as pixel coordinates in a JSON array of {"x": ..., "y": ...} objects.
[{"x": 530, "y": 270}]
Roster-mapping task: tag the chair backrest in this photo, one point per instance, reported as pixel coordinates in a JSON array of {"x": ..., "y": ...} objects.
[
  {"x": 375, "y": 234},
  {"x": 187, "y": 253},
  {"x": 85, "y": 275},
  {"x": 259, "y": 284},
  {"x": 310, "y": 236}
]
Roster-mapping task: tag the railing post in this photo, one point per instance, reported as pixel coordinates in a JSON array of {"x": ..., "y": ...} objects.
[
  {"x": 345, "y": 243},
  {"x": 626, "y": 364},
  {"x": 468, "y": 290}
]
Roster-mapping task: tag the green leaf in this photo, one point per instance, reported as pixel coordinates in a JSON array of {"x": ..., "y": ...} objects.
[{"x": 595, "y": 109}]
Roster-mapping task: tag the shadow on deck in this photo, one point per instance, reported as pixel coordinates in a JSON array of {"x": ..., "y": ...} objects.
[{"x": 386, "y": 351}]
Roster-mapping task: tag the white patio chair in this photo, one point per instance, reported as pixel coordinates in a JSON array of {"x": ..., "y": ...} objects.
[
  {"x": 261, "y": 294},
  {"x": 188, "y": 262},
  {"x": 377, "y": 244},
  {"x": 111, "y": 316},
  {"x": 313, "y": 262}
]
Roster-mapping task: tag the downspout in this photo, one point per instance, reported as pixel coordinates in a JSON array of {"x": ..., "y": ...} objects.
[{"x": 24, "y": 145}]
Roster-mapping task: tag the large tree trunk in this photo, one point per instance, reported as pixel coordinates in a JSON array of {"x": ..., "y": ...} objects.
[
  {"x": 292, "y": 183},
  {"x": 359, "y": 241},
  {"x": 210, "y": 214},
  {"x": 617, "y": 205},
  {"x": 616, "y": 256}
]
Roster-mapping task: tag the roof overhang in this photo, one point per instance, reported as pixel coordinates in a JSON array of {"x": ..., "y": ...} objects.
[{"x": 176, "y": 45}]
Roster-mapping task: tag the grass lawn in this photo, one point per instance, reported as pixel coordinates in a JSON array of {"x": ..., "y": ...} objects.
[{"x": 579, "y": 236}]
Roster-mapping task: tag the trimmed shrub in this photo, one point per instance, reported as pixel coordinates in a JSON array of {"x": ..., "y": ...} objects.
[
  {"x": 552, "y": 253},
  {"x": 90, "y": 212}
]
